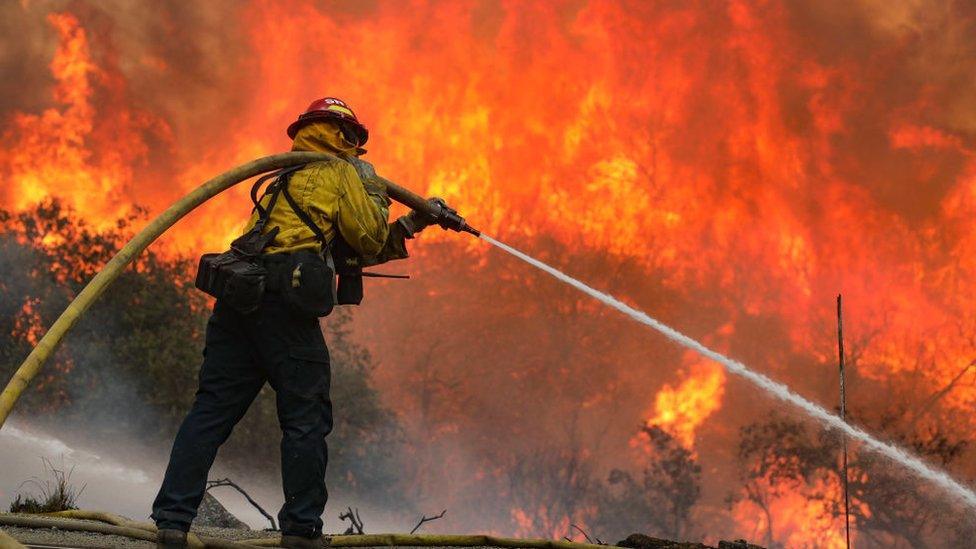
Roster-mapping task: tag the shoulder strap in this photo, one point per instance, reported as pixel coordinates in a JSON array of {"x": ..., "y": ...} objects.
[
  {"x": 302, "y": 215},
  {"x": 252, "y": 243},
  {"x": 262, "y": 213},
  {"x": 274, "y": 189}
]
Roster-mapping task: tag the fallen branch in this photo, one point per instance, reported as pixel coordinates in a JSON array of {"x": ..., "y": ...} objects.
[
  {"x": 597, "y": 541},
  {"x": 581, "y": 531},
  {"x": 355, "y": 523},
  {"x": 425, "y": 518},
  {"x": 228, "y": 482}
]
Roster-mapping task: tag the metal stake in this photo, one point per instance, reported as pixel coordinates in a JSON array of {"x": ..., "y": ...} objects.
[{"x": 843, "y": 417}]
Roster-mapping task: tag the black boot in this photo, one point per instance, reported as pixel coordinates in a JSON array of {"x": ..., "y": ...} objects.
[
  {"x": 170, "y": 538},
  {"x": 298, "y": 542}
]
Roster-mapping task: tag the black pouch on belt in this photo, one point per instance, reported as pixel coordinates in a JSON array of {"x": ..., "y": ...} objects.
[
  {"x": 235, "y": 277},
  {"x": 308, "y": 284},
  {"x": 235, "y": 280}
]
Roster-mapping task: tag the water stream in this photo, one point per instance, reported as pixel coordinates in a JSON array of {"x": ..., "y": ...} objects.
[
  {"x": 103, "y": 482},
  {"x": 773, "y": 388}
]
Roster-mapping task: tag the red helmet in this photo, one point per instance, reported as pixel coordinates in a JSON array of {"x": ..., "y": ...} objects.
[{"x": 335, "y": 109}]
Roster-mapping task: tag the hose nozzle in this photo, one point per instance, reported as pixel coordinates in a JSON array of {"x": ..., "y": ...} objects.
[{"x": 448, "y": 218}]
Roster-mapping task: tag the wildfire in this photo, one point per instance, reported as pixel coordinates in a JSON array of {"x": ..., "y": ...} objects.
[
  {"x": 747, "y": 157},
  {"x": 794, "y": 521},
  {"x": 63, "y": 151},
  {"x": 556, "y": 527},
  {"x": 28, "y": 322},
  {"x": 683, "y": 409}
]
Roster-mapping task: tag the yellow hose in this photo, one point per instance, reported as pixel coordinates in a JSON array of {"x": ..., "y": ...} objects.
[
  {"x": 125, "y": 529},
  {"x": 101, "y": 516},
  {"x": 117, "y": 525},
  {"x": 8, "y": 542},
  {"x": 46, "y": 346}
]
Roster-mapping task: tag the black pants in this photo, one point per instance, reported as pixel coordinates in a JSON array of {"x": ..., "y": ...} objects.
[{"x": 242, "y": 353}]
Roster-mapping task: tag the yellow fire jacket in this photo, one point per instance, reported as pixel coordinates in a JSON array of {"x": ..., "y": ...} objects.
[{"x": 336, "y": 199}]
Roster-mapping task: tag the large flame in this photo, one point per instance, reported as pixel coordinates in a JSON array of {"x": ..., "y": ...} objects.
[
  {"x": 796, "y": 522},
  {"x": 754, "y": 157},
  {"x": 683, "y": 409},
  {"x": 83, "y": 155}
]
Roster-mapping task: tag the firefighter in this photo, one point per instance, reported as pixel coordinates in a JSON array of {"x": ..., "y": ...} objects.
[{"x": 327, "y": 204}]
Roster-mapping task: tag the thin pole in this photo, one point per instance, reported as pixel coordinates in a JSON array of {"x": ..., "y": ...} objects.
[{"x": 843, "y": 417}]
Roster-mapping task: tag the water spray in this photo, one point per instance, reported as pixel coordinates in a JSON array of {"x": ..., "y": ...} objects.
[{"x": 774, "y": 388}]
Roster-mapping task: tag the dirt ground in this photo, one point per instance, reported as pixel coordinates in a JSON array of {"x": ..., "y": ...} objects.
[
  {"x": 101, "y": 541},
  {"x": 69, "y": 538},
  {"x": 73, "y": 539}
]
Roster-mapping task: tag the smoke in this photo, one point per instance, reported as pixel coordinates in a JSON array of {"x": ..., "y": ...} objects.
[
  {"x": 727, "y": 169},
  {"x": 777, "y": 390}
]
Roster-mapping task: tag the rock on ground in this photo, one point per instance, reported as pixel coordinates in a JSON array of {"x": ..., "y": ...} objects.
[{"x": 212, "y": 513}]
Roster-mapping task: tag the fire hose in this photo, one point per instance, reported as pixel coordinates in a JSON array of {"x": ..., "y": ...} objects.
[
  {"x": 446, "y": 217},
  {"x": 109, "y": 524}
]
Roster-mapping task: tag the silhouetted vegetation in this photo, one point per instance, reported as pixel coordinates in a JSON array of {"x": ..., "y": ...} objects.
[
  {"x": 781, "y": 456},
  {"x": 661, "y": 500},
  {"x": 522, "y": 422},
  {"x": 56, "y": 493}
]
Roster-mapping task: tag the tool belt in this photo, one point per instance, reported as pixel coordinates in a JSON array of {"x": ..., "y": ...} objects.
[
  {"x": 240, "y": 276},
  {"x": 232, "y": 279}
]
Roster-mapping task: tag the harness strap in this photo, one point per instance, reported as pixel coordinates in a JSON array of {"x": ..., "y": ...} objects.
[
  {"x": 304, "y": 217},
  {"x": 274, "y": 189},
  {"x": 262, "y": 213}
]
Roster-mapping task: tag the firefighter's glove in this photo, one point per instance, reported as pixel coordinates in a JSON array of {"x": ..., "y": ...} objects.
[{"x": 415, "y": 222}]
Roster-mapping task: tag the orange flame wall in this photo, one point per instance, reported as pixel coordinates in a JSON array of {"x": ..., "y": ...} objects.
[{"x": 769, "y": 153}]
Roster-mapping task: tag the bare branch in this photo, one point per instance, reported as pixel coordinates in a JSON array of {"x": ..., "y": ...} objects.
[
  {"x": 227, "y": 482},
  {"x": 355, "y": 522},
  {"x": 597, "y": 541},
  {"x": 425, "y": 518},
  {"x": 581, "y": 531},
  {"x": 938, "y": 395}
]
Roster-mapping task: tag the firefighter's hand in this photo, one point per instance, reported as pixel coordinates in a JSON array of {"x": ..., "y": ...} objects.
[{"x": 415, "y": 222}]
